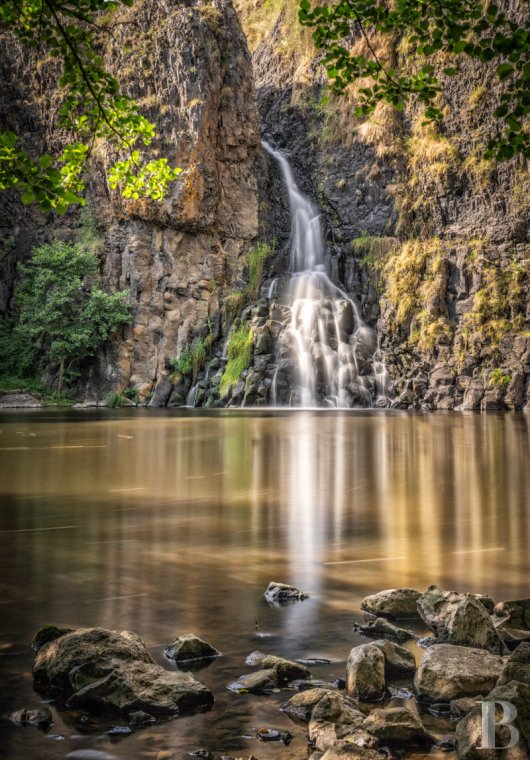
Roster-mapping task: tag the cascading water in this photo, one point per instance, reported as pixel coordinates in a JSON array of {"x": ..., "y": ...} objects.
[{"x": 335, "y": 353}]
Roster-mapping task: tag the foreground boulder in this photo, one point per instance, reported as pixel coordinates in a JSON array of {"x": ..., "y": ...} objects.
[
  {"x": 449, "y": 672},
  {"x": 399, "y": 661},
  {"x": 512, "y": 621},
  {"x": 381, "y": 627},
  {"x": 393, "y": 602},
  {"x": 517, "y": 666},
  {"x": 282, "y": 593},
  {"x": 365, "y": 673},
  {"x": 128, "y": 687},
  {"x": 190, "y": 647},
  {"x": 55, "y": 659},
  {"x": 333, "y": 719},
  {"x": 469, "y": 729},
  {"x": 397, "y": 725},
  {"x": 460, "y": 619},
  {"x": 300, "y": 707}
]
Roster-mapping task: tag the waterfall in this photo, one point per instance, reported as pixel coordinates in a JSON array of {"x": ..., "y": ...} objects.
[{"x": 335, "y": 353}]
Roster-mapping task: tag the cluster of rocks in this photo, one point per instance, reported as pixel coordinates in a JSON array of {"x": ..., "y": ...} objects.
[{"x": 478, "y": 650}]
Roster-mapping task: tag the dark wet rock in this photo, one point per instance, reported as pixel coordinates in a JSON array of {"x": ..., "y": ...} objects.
[
  {"x": 394, "y": 603},
  {"x": 205, "y": 754},
  {"x": 282, "y": 593},
  {"x": 398, "y": 660},
  {"x": 286, "y": 670},
  {"x": 512, "y": 621},
  {"x": 449, "y": 672},
  {"x": 19, "y": 400},
  {"x": 397, "y": 725},
  {"x": 140, "y": 718},
  {"x": 188, "y": 646},
  {"x": 469, "y": 729},
  {"x": 55, "y": 660},
  {"x": 365, "y": 673},
  {"x": 261, "y": 680},
  {"x": 333, "y": 718},
  {"x": 40, "y": 717},
  {"x": 446, "y": 744},
  {"x": 48, "y": 633},
  {"x": 517, "y": 666},
  {"x": 129, "y": 686},
  {"x": 460, "y": 619},
  {"x": 120, "y": 731},
  {"x": 439, "y": 709},
  {"x": 300, "y": 706},
  {"x": 426, "y": 641},
  {"x": 273, "y": 735},
  {"x": 303, "y": 684},
  {"x": 399, "y": 692},
  {"x": 381, "y": 627},
  {"x": 461, "y": 707},
  {"x": 314, "y": 661}
]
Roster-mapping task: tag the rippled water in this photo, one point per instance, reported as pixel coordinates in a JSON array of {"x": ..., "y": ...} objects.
[{"x": 165, "y": 522}]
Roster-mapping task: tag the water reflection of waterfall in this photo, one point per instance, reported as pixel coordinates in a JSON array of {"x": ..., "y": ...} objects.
[{"x": 336, "y": 356}]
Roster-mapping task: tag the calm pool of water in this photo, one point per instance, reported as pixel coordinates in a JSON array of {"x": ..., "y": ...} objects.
[{"x": 163, "y": 522}]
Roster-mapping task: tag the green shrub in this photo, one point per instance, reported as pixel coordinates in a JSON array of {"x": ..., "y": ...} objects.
[
  {"x": 239, "y": 353},
  {"x": 498, "y": 379},
  {"x": 115, "y": 400}
]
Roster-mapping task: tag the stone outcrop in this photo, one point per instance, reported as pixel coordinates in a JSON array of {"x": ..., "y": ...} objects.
[
  {"x": 460, "y": 619},
  {"x": 365, "y": 673},
  {"x": 333, "y": 719},
  {"x": 397, "y": 725},
  {"x": 512, "y": 621},
  {"x": 19, "y": 400},
  {"x": 447, "y": 672},
  {"x": 398, "y": 660},
  {"x": 300, "y": 706}
]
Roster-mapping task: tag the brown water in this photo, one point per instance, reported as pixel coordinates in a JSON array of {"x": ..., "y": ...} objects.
[{"x": 165, "y": 522}]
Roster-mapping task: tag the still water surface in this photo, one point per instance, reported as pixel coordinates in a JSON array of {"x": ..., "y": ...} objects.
[{"x": 165, "y": 523}]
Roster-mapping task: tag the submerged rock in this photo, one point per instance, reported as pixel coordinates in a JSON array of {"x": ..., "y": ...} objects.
[
  {"x": 188, "y": 646},
  {"x": 460, "y": 619},
  {"x": 130, "y": 686},
  {"x": 381, "y": 627},
  {"x": 282, "y": 593},
  {"x": 393, "y": 602},
  {"x": 55, "y": 659},
  {"x": 398, "y": 660},
  {"x": 397, "y": 725},
  {"x": 469, "y": 729},
  {"x": 365, "y": 673},
  {"x": 448, "y": 672},
  {"x": 40, "y": 717}
]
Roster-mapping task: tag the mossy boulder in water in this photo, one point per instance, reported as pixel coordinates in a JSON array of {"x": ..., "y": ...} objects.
[
  {"x": 393, "y": 602},
  {"x": 365, "y": 673},
  {"x": 282, "y": 593},
  {"x": 48, "y": 633},
  {"x": 188, "y": 646}
]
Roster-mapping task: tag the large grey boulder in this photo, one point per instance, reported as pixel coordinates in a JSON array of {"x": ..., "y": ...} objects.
[
  {"x": 365, "y": 673},
  {"x": 397, "y": 725},
  {"x": 460, "y": 619},
  {"x": 399, "y": 661},
  {"x": 333, "y": 718},
  {"x": 128, "y": 686},
  {"x": 55, "y": 659},
  {"x": 469, "y": 729},
  {"x": 393, "y": 602},
  {"x": 512, "y": 621},
  {"x": 187, "y": 647},
  {"x": 449, "y": 672},
  {"x": 517, "y": 666}
]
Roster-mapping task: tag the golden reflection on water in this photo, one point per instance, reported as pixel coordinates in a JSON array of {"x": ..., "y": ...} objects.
[{"x": 161, "y": 522}]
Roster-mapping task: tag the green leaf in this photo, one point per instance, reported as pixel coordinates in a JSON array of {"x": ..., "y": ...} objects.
[
  {"x": 45, "y": 161},
  {"x": 504, "y": 70}
]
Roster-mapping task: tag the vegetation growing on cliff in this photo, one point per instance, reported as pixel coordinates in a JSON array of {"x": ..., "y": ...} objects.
[
  {"x": 93, "y": 108},
  {"x": 61, "y": 315},
  {"x": 459, "y": 27},
  {"x": 239, "y": 353}
]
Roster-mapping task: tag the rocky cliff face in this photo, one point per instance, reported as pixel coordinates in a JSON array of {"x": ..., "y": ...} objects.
[
  {"x": 430, "y": 238},
  {"x": 188, "y": 65}
]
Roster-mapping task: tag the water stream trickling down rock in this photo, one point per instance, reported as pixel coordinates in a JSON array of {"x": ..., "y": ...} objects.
[{"x": 337, "y": 362}]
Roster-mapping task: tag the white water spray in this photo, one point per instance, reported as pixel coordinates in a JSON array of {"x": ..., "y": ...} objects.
[{"x": 334, "y": 350}]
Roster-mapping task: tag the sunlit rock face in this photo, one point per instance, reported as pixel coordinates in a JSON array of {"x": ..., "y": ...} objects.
[{"x": 188, "y": 66}]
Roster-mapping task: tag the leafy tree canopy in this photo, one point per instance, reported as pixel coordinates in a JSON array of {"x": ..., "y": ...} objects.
[
  {"x": 59, "y": 308},
  {"x": 473, "y": 28},
  {"x": 93, "y": 107}
]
